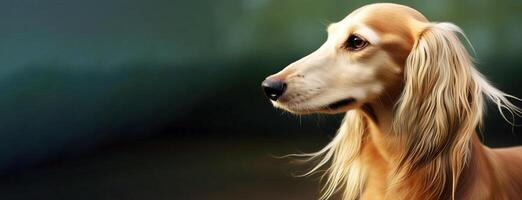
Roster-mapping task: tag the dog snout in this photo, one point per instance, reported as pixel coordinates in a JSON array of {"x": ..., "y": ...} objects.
[{"x": 273, "y": 88}]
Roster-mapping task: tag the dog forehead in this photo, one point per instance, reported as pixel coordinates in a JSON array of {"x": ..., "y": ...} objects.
[{"x": 387, "y": 18}]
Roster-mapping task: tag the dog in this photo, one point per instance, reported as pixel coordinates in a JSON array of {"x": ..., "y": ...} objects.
[{"x": 413, "y": 101}]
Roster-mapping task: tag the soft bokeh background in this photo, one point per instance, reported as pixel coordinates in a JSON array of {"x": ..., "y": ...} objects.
[{"x": 161, "y": 99}]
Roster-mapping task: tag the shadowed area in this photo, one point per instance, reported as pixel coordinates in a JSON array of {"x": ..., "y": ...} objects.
[{"x": 166, "y": 169}]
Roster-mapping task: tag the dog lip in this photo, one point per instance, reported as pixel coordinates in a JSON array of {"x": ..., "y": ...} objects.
[{"x": 341, "y": 103}]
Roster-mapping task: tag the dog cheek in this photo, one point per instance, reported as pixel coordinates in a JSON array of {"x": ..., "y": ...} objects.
[
  {"x": 363, "y": 75},
  {"x": 376, "y": 88},
  {"x": 360, "y": 94}
]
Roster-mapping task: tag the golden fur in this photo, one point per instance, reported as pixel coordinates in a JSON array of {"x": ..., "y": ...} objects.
[{"x": 411, "y": 134}]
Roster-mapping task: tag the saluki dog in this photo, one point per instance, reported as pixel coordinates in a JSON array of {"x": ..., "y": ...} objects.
[{"x": 413, "y": 101}]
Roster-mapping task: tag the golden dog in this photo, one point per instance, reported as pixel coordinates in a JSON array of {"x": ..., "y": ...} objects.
[{"x": 413, "y": 102}]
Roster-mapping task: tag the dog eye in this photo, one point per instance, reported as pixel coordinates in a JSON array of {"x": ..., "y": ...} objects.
[{"x": 355, "y": 43}]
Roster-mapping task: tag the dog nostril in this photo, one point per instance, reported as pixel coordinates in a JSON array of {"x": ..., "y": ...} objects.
[{"x": 273, "y": 89}]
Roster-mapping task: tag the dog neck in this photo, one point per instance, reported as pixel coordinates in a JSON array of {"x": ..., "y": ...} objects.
[
  {"x": 380, "y": 149},
  {"x": 377, "y": 150},
  {"x": 379, "y": 119}
]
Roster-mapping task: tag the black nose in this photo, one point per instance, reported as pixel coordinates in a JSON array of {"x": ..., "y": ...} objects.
[{"x": 273, "y": 89}]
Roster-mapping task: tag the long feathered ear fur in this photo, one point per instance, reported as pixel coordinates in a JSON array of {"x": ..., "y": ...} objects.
[{"x": 438, "y": 113}]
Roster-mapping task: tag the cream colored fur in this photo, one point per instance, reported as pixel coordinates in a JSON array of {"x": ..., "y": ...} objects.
[{"x": 411, "y": 133}]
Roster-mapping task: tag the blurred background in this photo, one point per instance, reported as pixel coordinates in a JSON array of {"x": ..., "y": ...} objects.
[{"x": 161, "y": 99}]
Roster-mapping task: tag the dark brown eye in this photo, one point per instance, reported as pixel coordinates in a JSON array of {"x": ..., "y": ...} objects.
[{"x": 355, "y": 43}]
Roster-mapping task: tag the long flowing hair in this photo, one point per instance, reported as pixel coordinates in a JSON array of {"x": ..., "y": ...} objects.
[{"x": 439, "y": 110}]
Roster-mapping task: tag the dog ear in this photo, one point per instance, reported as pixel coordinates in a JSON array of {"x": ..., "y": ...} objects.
[{"x": 439, "y": 109}]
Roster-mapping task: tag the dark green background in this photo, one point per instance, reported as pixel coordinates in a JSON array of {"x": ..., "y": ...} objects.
[{"x": 127, "y": 99}]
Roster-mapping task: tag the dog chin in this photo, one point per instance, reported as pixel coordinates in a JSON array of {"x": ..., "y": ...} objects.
[{"x": 332, "y": 108}]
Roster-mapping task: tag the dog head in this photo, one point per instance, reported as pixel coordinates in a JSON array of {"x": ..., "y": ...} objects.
[{"x": 361, "y": 61}]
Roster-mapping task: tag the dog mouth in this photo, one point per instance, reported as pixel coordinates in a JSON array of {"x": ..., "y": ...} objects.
[{"x": 340, "y": 103}]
